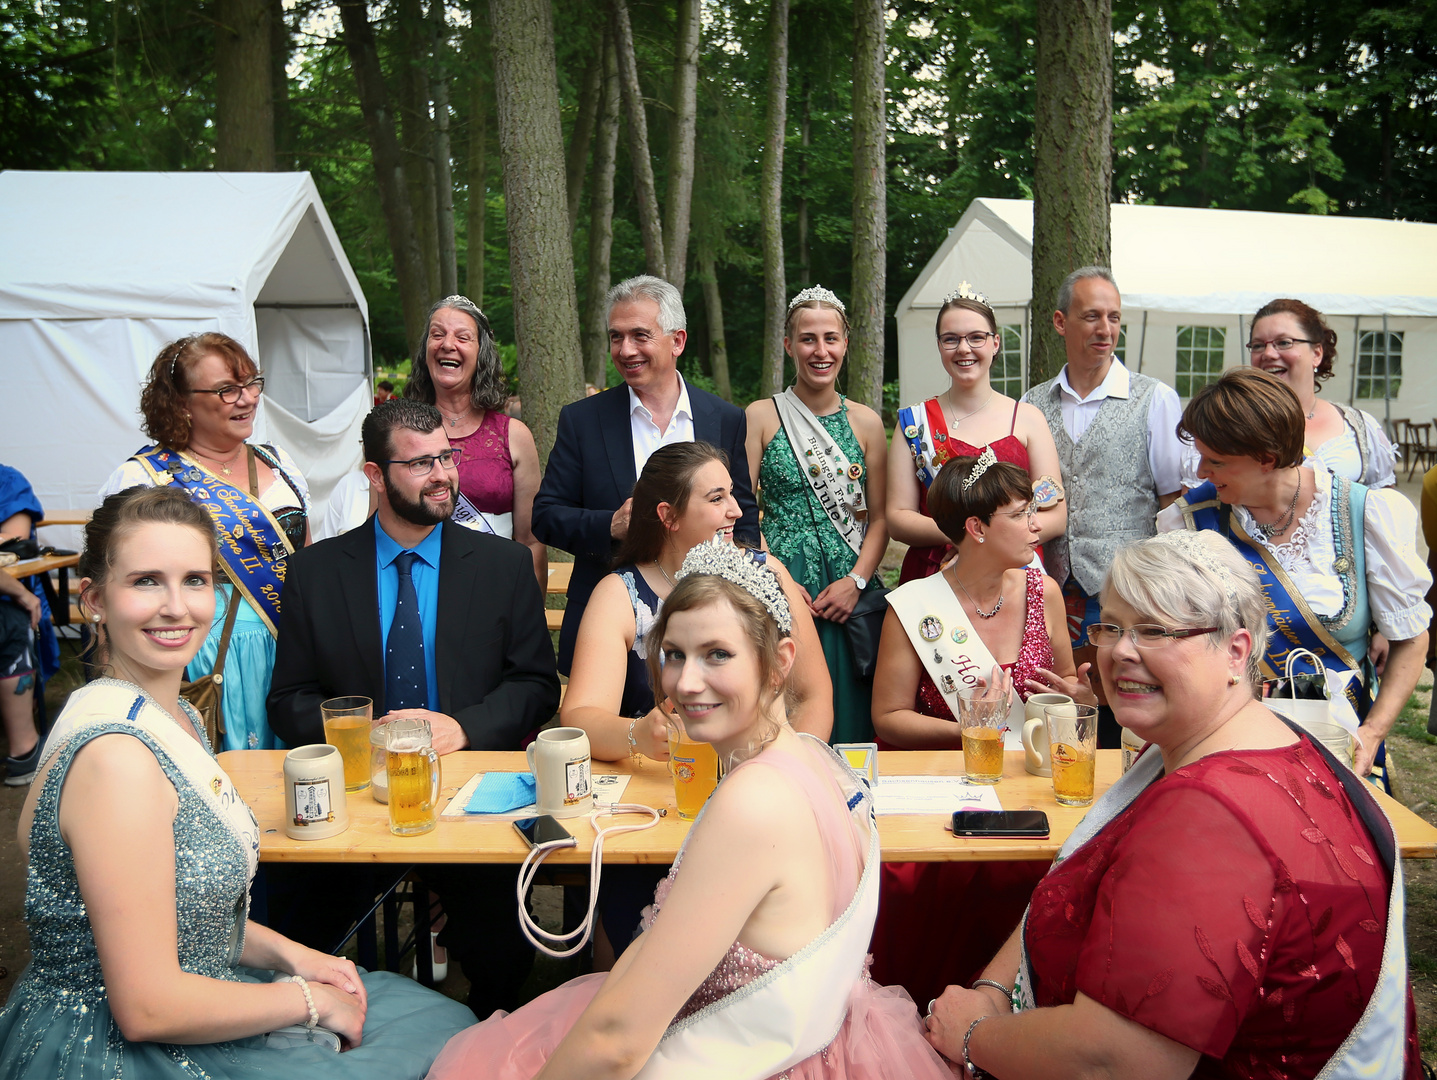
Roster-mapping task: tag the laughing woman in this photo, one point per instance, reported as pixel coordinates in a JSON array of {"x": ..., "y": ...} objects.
[
  {"x": 970, "y": 416},
  {"x": 820, "y": 461}
]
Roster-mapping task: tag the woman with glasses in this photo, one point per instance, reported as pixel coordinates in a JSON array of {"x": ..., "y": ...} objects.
[
  {"x": 989, "y": 608},
  {"x": 1230, "y": 907},
  {"x": 1291, "y": 340},
  {"x": 1335, "y": 558},
  {"x": 457, "y": 370},
  {"x": 199, "y": 404},
  {"x": 969, "y": 416}
]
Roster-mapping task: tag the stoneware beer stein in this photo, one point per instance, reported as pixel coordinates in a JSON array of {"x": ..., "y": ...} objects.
[
  {"x": 414, "y": 777},
  {"x": 1035, "y": 732},
  {"x": 559, "y": 760},
  {"x": 314, "y": 806}
]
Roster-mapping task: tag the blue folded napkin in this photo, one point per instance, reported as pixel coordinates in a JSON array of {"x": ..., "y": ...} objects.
[{"x": 500, "y": 792}]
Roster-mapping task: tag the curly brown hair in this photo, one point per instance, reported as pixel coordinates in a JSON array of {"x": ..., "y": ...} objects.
[
  {"x": 1313, "y": 325},
  {"x": 162, "y": 401}
]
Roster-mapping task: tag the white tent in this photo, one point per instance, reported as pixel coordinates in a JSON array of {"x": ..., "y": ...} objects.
[
  {"x": 1191, "y": 279},
  {"x": 99, "y": 270}
]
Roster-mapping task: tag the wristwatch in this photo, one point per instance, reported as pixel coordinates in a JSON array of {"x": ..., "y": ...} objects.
[{"x": 861, "y": 582}]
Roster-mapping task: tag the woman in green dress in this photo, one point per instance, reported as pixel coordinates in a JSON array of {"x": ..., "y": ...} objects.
[{"x": 820, "y": 461}]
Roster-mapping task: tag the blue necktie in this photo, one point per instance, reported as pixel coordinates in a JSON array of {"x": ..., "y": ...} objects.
[{"x": 405, "y": 684}]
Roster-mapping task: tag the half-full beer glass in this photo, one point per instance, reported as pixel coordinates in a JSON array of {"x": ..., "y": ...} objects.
[
  {"x": 346, "y": 728},
  {"x": 414, "y": 777}
]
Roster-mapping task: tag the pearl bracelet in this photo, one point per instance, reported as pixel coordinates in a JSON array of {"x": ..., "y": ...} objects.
[{"x": 313, "y": 1021}]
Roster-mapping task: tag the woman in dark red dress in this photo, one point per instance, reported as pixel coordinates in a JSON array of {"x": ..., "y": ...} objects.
[
  {"x": 964, "y": 420},
  {"x": 1232, "y": 907}
]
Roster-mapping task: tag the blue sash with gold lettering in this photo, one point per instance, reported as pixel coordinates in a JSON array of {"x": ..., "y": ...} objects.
[
  {"x": 253, "y": 547},
  {"x": 1292, "y": 624}
]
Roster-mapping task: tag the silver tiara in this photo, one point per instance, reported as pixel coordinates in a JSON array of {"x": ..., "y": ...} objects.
[
  {"x": 746, "y": 570},
  {"x": 818, "y": 292},
  {"x": 985, "y": 460},
  {"x": 966, "y": 292},
  {"x": 1195, "y": 545}
]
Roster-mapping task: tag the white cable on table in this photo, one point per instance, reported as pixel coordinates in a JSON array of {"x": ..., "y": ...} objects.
[{"x": 540, "y": 852}]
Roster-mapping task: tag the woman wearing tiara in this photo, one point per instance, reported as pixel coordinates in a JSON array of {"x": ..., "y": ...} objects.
[
  {"x": 820, "y": 462},
  {"x": 140, "y": 858},
  {"x": 990, "y": 608},
  {"x": 752, "y": 963},
  {"x": 967, "y": 417}
]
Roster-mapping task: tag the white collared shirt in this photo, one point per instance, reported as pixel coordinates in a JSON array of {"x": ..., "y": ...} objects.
[
  {"x": 1165, "y": 452},
  {"x": 645, "y": 432}
]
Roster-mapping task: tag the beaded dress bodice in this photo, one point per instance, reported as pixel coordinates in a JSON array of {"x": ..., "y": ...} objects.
[{"x": 211, "y": 887}]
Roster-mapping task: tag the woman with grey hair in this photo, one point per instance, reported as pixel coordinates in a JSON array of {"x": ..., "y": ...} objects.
[
  {"x": 1233, "y": 905},
  {"x": 457, "y": 369}
]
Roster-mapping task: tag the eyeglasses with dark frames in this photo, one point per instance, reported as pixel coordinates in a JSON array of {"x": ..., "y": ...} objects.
[
  {"x": 421, "y": 466},
  {"x": 1145, "y": 635},
  {"x": 1282, "y": 344},
  {"x": 976, "y": 340},
  {"x": 231, "y": 394}
]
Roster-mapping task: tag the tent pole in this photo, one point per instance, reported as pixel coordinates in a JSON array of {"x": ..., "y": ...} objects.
[
  {"x": 1241, "y": 334},
  {"x": 1356, "y": 344},
  {"x": 1027, "y": 340},
  {"x": 1143, "y": 341},
  {"x": 1386, "y": 380}
]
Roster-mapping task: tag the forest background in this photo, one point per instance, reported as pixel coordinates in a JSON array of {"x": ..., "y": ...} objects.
[{"x": 1280, "y": 105}]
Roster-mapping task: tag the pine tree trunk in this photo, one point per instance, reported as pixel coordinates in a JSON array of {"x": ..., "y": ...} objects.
[
  {"x": 601, "y": 222},
  {"x": 1072, "y": 159},
  {"x": 805, "y": 268},
  {"x": 388, "y": 166},
  {"x": 280, "y": 48},
  {"x": 443, "y": 173},
  {"x": 244, "y": 99},
  {"x": 678, "y": 201},
  {"x": 478, "y": 159},
  {"x": 867, "y": 306},
  {"x": 577, "y": 155},
  {"x": 416, "y": 132},
  {"x": 541, "y": 262},
  {"x": 713, "y": 305},
  {"x": 775, "y": 285},
  {"x": 650, "y": 226}
]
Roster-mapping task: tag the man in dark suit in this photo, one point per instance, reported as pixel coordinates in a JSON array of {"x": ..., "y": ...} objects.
[
  {"x": 603, "y": 441},
  {"x": 434, "y": 622}
]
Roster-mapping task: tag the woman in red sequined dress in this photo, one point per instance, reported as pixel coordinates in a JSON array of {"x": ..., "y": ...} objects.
[
  {"x": 985, "y": 508},
  {"x": 967, "y": 418}
]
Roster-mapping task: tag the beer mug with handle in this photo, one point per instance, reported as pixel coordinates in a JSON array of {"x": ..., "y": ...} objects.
[{"x": 414, "y": 777}]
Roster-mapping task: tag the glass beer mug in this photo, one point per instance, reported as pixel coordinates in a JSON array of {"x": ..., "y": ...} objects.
[{"x": 414, "y": 779}]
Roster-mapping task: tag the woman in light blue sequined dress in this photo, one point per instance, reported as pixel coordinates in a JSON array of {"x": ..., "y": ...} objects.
[{"x": 145, "y": 964}]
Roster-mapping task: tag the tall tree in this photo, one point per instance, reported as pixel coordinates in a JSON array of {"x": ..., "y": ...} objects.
[
  {"x": 577, "y": 155},
  {"x": 601, "y": 221},
  {"x": 1072, "y": 159},
  {"x": 281, "y": 47},
  {"x": 713, "y": 308},
  {"x": 870, "y": 203},
  {"x": 359, "y": 44},
  {"x": 678, "y": 201},
  {"x": 244, "y": 98},
  {"x": 645, "y": 193},
  {"x": 775, "y": 283},
  {"x": 443, "y": 174},
  {"x": 541, "y": 263},
  {"x": 478, "y": 157},
  {"x": 413, "y": 39}
]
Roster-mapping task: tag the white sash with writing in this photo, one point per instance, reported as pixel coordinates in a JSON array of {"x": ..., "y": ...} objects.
[{"x": 837, "y": 483}]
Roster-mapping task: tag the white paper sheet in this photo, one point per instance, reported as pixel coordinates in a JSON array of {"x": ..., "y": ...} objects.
[
  {"x": 608, "y": 789},
  {"x": 932, "y": 795}
]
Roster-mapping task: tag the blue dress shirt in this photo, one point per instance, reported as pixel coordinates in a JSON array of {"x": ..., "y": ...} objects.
[{"x": 426, "y": 585}]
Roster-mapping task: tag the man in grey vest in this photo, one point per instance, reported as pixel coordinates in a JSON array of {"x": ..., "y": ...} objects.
[{"x": 1122, "y": 462}]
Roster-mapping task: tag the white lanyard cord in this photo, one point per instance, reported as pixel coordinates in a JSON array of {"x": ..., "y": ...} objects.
[{"x": 540, "y": 852}]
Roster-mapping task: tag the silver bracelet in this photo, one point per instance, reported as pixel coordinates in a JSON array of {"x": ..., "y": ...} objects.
[
  {"x": 973, "y": 1071},
  {"x": 1005, "y": 991},
  {"x": 634, "y": 756},
  {"x": 313, "y": 1021}
]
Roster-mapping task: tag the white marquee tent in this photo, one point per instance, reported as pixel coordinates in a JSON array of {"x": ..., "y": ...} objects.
[
  {"x": 1191, "y": 279},
  {"x": 99, "y": 270}
]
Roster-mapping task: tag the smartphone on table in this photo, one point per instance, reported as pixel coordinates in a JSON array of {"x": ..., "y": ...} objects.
[
  {"x": 544, "y": 829},
  {"x": 1023, "y": 824}
]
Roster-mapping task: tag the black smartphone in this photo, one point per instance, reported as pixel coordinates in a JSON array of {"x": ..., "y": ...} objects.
[
  {"x": 544, "y": 829},
  {"x": 1000, "y": 823}
]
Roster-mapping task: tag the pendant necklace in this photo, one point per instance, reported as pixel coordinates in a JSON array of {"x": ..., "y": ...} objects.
[
  {"x": 959, "y": 419},
  {"x": 224, "y": 465},
  {"x": 672, "y": 583},
  {"x": 1279, "y": 526},
  {"x": 980, "y": 612},
  {"x": 454, "y": 421}
]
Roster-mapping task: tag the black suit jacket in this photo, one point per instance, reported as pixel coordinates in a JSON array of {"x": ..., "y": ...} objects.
[
  {"x": 494, "y": 657},
  {"x": 591, "y": 472}
]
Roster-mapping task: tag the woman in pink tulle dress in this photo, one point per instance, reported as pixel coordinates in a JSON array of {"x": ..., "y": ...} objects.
[{"x": 753, "y": 961}]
